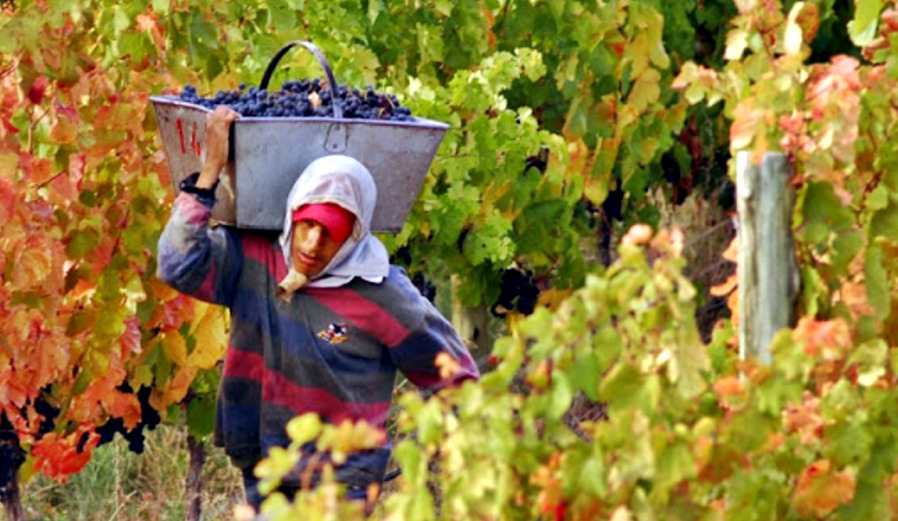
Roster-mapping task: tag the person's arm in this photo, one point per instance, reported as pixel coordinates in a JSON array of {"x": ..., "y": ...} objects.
[
  {"x": 193, "y": 258},
  {"x": 432, "y": 355}
]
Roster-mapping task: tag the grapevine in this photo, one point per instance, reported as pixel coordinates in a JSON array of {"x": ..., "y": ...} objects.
[{"x": 11, "y": 456}]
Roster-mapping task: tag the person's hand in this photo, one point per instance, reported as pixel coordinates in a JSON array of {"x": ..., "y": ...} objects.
[{"x": 218, "y": 122}]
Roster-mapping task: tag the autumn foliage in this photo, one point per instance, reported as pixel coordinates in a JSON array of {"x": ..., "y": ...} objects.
[{"x": 83, "y": 192}]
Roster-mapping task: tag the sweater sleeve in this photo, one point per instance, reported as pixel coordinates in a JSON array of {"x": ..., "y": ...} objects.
[
  {"x": 197, "y": 259},
  {"x": 432, "y": 355}
]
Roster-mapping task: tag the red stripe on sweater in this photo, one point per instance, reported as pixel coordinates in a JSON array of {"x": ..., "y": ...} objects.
[
  {"x": 280, "y": 390},
  {"x": 277, "y": 389},
  {"x": 259, "y": 249},
  {"x": 363, "y": 313},
  {"x": 240, "y": 364}
]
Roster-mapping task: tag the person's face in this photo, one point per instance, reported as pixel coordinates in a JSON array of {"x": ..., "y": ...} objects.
[{"x": 313, "y": 247}]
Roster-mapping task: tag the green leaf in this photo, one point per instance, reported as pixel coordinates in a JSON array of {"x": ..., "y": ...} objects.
[
  {"x": 161, "y": 6},
  {"x": 120, "y": 20},
  {"x": 871, "y": 500},
  {"x": 845, "y": 248},
  {"x": 625, "y": 387},
  {"x": 675, "y": 464},
  {"x": 866, "y": 16},
  {"x": 848, "y": 442},
  {"x": 592, "y": 476},
  {"x": 885, "y": 222},
  {"x": 561, "y": 396},
  {"x": 870, "y": 358},
  {"x": 877, "y": 282},
  {"x": 201, "y": 416},
  {"x": 585, "y": 374},
  {"x": 823, "y": 213},
  {"x": 81, "y": 243}
]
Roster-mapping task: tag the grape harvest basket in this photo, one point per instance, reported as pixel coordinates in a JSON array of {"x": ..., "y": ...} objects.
[{"x": 269, "y": 154}]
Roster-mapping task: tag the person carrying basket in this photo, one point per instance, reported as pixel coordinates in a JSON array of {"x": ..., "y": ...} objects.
[{"x": 320, "y": 320}]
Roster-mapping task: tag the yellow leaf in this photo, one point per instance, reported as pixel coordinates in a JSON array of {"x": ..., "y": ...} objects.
[
  {"x": 793, "y": 36},
  {"x": 639, "y": 51},
  {"x": 175, "y": 348},
  {"x": 646, "y": 90},
  {"x": 178, "y": 386},
  {"x": 210, "y": 331},
  {"x": 596, "y": 190},
  {"x": 143, "y": 376},
  {"x": 737, "y": 41}
]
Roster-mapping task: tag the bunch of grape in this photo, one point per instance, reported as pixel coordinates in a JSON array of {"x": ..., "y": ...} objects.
[
  {"x": 149, "y": 419},
  {"x": 518, "y": 291},
  {"x": 425, "y": 286},
  {"x": 304, "y": 99}
]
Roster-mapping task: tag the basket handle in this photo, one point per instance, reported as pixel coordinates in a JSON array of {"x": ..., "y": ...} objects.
[{"x": 331, "y": 81}]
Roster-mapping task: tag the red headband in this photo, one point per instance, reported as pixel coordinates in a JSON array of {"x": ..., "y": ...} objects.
[{"x": 337, "y": 220}]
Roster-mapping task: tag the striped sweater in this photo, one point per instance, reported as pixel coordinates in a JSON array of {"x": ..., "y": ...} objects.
[{"x": 331, "y": 351}]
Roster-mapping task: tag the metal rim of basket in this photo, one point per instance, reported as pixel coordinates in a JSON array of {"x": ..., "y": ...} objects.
[{"x": 331, "y": 81}]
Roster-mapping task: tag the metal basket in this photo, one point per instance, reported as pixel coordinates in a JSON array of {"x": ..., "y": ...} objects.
[{"x": 269, "y": 154}]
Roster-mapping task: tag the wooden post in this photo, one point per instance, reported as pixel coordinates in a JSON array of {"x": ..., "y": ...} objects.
[{"x": 768, "y": 272}]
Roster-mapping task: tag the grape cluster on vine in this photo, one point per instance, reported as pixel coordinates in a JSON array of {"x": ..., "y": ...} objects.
[
  {"x": 304, "y": 98},
  {"x": 149, "y": 419},
  {"x": 425, "y": 286},
  {"x": 518, "y": 292}
]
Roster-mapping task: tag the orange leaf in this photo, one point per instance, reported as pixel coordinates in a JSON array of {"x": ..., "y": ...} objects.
[
  {"x": 40, "y": 170},
  {"x": 728, "y": 385},
  {"x": 125, "y": 406},
  {"x": 820, "y": 490},
  {"x": 854, "y": 295},
  {"x": 448, "y": 366},
  {"x": 638, "y": 234},
  {"x": 7, "y": 200},
  {"x": 829, "y": 339},
  {"x": 732, "y": 252},
  {"x": 733, "y": 305},
  {"x": 726, "y": 287},
  {"x": 64, "y": 131},
  {"x": 805, "y": 419}
]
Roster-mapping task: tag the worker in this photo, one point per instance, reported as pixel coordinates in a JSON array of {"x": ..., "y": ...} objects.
[{"x": 320, "y": 320}]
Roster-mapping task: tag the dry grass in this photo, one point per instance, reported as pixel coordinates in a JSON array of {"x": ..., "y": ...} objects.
[{"x": 118, "y": 485}]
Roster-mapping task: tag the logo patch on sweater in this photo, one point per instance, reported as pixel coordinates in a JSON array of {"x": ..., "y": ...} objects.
[{"x": 336, "y": 333}]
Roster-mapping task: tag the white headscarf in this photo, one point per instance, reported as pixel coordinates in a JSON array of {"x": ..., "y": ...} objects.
[{"x": 344, "y": 181}]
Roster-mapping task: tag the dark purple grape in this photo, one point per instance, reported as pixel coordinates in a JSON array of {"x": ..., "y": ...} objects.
[
  {"x": 293, "y": 100},
  {"x": 518, "y": 291}
]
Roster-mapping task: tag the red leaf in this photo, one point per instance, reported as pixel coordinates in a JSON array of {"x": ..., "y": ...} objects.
[
  {"x": 130, "y": 339},
  {"x": 829, "y": 339},
  {"x": 59, "y": 457},
  {"x": 37, "y": 90}
]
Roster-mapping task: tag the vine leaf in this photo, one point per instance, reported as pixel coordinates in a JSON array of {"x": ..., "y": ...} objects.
[{"x": 821, "y": 489}]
